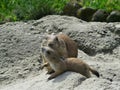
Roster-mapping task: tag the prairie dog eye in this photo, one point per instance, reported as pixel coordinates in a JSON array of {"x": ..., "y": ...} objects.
[
  {"x": 50, "y": 44},
  {"x": 48, "y": 52}
]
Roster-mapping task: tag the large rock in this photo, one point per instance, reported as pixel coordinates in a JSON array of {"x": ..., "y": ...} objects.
[
  {"x": 94, "y": 37},
  {"x": 19, "y": 51},
  {"x": 109, "y": 77},
  {"x": 91, "y": 37},
  {"x": 20, "y": 44},
  {"x": 114, "y": 16},
  {"x": 85, "y": 13},
  {"x": 71, "y": 8},
  {"x": 100, "y": 16}
]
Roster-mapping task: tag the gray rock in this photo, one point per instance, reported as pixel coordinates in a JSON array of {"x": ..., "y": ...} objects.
[
  {"x": 20, "y": 63},
  {"x": 93, "y": 38},
  {"x": 71, "y": 8},
  {"x": 100, "y": 16},
  {"x": 102, "y": 35},
  {"x": 117, "y": 29},
  {"x": 16, "y": 45},
  {"x": 114, "y": 16},
  {"x": 85, "y": 13}
]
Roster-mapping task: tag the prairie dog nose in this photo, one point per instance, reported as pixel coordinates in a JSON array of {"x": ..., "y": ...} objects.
[
  {"x": 43, "y": 49},
  {"x": 50, "y": 45}
]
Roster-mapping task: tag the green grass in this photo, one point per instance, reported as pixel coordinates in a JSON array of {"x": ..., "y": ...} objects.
[
  {"x": 12, "y": 10},
  {"x": 108, "y": 5}
]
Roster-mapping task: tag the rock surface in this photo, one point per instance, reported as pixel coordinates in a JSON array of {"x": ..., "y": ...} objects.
[
  {"x": 71, "y": 8},
  {"x": 85, "y": 13},
  {"x": 99, "y": 46},
  {"x": 100, "y": 16},
  {"x": 114, "y": 16}
]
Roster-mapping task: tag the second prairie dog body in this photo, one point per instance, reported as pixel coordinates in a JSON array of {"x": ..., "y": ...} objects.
[
  {"x": 63, "y": 45},
  {"x": 68, "y": 64}
]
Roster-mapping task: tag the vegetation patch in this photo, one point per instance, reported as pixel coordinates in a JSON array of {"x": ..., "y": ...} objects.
[
  {"x": 108, "y": 5},
  {"x": 14, "y": 10}
]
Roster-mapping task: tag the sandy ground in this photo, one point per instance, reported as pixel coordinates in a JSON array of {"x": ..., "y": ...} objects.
[{"x": 20, "y": 62}]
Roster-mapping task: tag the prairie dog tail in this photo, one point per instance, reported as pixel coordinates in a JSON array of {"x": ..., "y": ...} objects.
[{"x": 94, "y": 72}]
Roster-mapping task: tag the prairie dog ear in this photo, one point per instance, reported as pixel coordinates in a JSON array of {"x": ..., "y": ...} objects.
[
  {"x": 47, "y": 36},
  {"x": 56, "y": 39},
  {"x": 62, "y": 43},
  {"x": 62, "y": 58}
]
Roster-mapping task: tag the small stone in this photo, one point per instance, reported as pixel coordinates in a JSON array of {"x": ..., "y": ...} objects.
[
  {"x": 100, "y": 16},
  {"x": 114, "y": 16},
  {"x": 71, "y": 8},
  {"x": 85, "y": 13}
]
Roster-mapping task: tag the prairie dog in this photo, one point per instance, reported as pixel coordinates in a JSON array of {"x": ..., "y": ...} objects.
[
  {"x": 63, "y": 45},
  {"x": 60, "y": 65}
]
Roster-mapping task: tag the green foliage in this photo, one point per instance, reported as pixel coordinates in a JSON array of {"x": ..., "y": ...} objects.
[
  {"x": 12, "y": 10},
  {"x": 108, "y": 5}
]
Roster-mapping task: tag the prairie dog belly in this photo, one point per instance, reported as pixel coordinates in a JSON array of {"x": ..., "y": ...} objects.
[{"x": 60, "y": 66}]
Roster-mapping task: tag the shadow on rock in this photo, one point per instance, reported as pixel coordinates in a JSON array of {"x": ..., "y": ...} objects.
[{"x": 66, "y": 75}]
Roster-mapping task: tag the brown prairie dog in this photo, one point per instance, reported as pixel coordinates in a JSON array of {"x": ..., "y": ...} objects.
[
  {"x": 68, "y": 64},
  {"x": 63, "y": 45}
]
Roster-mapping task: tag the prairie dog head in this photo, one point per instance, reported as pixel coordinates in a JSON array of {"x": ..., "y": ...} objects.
[
  {"x": 50, "y": 54},
  {"x": 55, "y": 42},
  {"x": 58, "y": 45}
]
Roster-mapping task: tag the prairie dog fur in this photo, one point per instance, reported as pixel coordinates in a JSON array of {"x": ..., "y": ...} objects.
[
  {"x": 63, "y": 45},
  {"x": 68, "y": 64}
]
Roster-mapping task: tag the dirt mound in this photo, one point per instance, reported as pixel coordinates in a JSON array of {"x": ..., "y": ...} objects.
[{"x": 20, "y": 49}]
